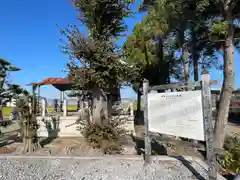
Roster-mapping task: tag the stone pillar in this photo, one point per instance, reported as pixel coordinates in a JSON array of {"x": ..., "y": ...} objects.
[
  {"x": 131, "y": 109},
  {"x": 55, "y": 105},
  {"x": 30, "y": 107},
  {"x": 43, "y": 104},
  {"x": 65, "y": 105}
]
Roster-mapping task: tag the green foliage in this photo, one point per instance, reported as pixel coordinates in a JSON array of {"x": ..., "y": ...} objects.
[
  {"x": 231, "y": 160},
  {"x": 106, "y": 137},
  {"x": 219, "y": 29},
  {"x": 185, "y": 19},
  {"x": 7, "y": 91},
  {"x": 150, "y": 48},
  {"x": 97, "y": 53},
  {"x": 103, "y": 18},
  {"x": 6, "y": 67},
  {"x": 27, "y": 121}
]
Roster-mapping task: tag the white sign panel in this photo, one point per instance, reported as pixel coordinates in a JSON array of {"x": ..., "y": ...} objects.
[{"x": 177, "y": 114}]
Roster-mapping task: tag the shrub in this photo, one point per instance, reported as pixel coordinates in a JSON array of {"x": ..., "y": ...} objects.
[
  {"x": 108, "y": 137},
  {"x": 231, "y": 160}
]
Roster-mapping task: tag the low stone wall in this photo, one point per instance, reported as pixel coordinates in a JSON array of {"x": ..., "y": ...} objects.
[
  {"x": 62, "y": 127},
  {"x": 67, "y": 127}
]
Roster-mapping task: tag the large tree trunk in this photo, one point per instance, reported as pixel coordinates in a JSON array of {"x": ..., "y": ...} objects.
[
  {"x": 228, "y": 82},
  {"x": 30, "y": 140},
  {"x": 184, "y": 53},
  {"x": 113, "y": 98},
  {"x": 139, "y": 93},
  {"x": 110, "y": 102},
  {"x": 162, "y": 75},
  {"x": 194, "y": 53},
  {"x": 100, "y": 114},
  {"x": 29, "y": 127},
  {"x": 186, "y": 66},
  {"x": 137, "y": 117}
]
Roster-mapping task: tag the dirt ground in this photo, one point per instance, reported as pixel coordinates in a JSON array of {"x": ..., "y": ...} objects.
[
  {"x": 177, "y": 147},
  {"x": 233, "y": 128},
  {"x": 60, "y": 146},
  {"x": 135, "y": 145}
]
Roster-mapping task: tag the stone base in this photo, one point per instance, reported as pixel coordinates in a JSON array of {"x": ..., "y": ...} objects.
[
  {"x": 67, "y": 127},
  {"x": 64, "y": 127}
]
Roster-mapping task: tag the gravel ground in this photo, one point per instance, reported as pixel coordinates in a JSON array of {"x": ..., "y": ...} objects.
[{"x": 20, "y": 168}]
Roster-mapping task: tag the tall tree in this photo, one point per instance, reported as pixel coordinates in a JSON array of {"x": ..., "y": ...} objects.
[
  {"x": 226, "y": 8},
  {"x": 152, "y": 59},
  {"x": 6, "y": 90},
  {"x": 211, "y": 26},
  {"x": 28, "y": 120},
  {"x": 98, "y": 52}
]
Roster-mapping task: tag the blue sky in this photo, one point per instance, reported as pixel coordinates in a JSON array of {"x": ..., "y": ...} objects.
[{"x": 29, "y": 39}]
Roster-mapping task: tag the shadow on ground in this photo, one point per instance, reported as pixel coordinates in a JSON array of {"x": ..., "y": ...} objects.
[
  {"x": 188, "y": 165},
  {"x": 52, "y": 127},
  {"x": 198, "y": 176},
  {"x": 9, "y": 140},
  {"x": 138, "y": 117},
  {"x": 234, "y": 118},
  {"x": 157, "y": 149}
]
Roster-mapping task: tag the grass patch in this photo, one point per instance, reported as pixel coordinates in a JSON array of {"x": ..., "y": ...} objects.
[
  {"x": 70, "y": 108},
  {"x": 7, "y": 110}
]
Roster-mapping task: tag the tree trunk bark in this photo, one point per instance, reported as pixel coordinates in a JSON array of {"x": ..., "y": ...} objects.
[
  {"x": 99, "y": 106},
  {"x": 29, "y": 126},
  {"x": 30, "y": 141},
  {"x": 109, "y": 104},
  {"x": 113, "y": 98},
  {"x": 194, "y": 54},
  {"x": 228, "y": 82},
  {"x": 138, "y": 111},
  {"x": 139, "y": 93},
  {"x": 185, "y": 66},
  {"x": 184, "y": 53}
]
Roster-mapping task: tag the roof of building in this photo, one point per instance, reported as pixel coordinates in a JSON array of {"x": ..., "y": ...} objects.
[
  {"x": 52, "y": 81},
  {"x": 62, "y": 84}
]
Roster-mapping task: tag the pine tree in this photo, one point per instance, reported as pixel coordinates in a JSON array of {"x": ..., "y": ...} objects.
[{"x": 7, "y": 91}]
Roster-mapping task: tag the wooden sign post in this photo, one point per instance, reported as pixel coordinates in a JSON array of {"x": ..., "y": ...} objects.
[
  {"x": 185, "y": 114},
  {"x": 208, "y": 126}
]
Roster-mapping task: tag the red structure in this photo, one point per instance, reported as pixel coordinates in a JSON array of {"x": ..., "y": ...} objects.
[{"x": 62, "y": 84}]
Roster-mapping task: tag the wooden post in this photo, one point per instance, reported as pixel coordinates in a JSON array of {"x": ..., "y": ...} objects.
[
  {"x": 38, "y": 100},
  {"x": 208, "y": 125},
  {"x": 147, "y": 140},
  {"x": 61, "y": 101},
  {"x": 34, "y": 103},
  {"x": 131, "y": 109}
]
